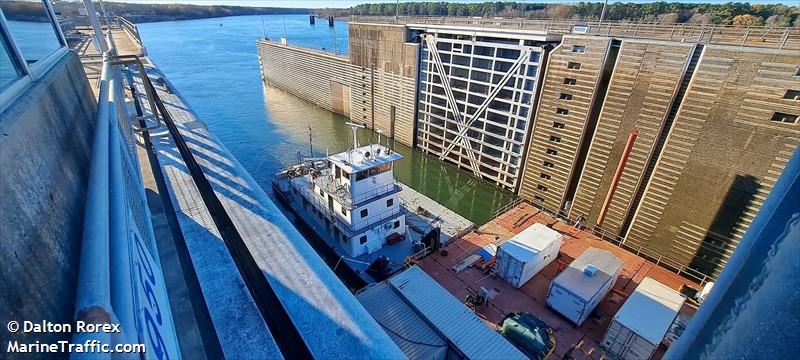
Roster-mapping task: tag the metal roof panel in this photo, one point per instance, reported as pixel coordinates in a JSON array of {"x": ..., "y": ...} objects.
[
  {"x": 411, "y": 333},
  {"x": 577, "y": 282},
  {"x": 650, "y": 310},
  {"x": 468, "y": 334}
]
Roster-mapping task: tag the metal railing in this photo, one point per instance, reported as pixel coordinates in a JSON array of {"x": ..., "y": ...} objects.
[
  {"x": 342, "y": 193},
  {"x": 316, "y": 201},
  {"x": 756, "y": 36},
  {"x": 119, "y": 22},
  {"x": 327, "y": 52},
  {"x": 619, "y": 241},
  {"x": 120, "y": 279}
]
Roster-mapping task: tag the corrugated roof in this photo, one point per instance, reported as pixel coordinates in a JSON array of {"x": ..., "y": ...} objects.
[
  {"x": 525, "y": 245},
  {"x": 585, "y": 286},
  {"x": 469, "y": 334},
  {"x": 650, "y": 310},
  {"x": 404, "y": 326}
]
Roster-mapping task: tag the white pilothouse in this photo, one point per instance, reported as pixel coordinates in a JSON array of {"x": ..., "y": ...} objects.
[{"x": 351, "y": 200}]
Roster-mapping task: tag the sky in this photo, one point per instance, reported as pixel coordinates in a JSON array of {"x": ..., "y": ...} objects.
[{"x": 348, "y": 3}]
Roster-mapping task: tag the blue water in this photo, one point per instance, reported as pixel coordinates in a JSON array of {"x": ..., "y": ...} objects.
[
  {"x": 34, "y": 39},
  {"x": 214, "y": 65},
  {"x": 216, "y": 69}
]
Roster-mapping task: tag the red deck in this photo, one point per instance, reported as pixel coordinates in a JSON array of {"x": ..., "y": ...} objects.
[{"x": 531, "y": 297}]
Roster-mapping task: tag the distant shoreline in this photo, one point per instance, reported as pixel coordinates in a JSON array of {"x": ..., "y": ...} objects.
[
  {"x": 144, "y": 13},
  {"x": 144, "y": 19},
  {"x": 135, "y": 20}
]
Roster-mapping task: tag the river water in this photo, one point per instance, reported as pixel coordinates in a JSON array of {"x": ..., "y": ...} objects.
[{"x": 214, "y": 65}]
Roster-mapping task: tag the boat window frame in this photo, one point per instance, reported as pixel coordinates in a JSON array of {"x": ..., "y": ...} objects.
[
  {"x": 373, "y": 171},
  {"x": 28, "y": 73}
]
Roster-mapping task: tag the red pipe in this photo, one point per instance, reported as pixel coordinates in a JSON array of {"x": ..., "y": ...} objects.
[{"x": 617, "y": 175}]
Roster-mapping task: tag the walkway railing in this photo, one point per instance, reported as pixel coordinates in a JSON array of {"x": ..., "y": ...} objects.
[
  {"x": 756, "y": 36},
  {"x": 619, "y": 241},
  {"x": 119, "y": 22},
  {"x": 120, "y": 279}
]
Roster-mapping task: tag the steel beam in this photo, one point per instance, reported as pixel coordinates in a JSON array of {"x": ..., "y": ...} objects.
[
  {"x": 485, "y": 105},
  {"x": 430, "y": 42}
]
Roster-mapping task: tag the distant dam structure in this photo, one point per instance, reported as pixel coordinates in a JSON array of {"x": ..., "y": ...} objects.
[{"x": 546, "y": 188}]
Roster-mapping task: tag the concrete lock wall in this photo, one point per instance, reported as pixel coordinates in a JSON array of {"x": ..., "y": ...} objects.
[
  {"x": 42, "y": 201},
  {"x": 374, "y": 97},
  {"x": 550, "y": 163},
  {"x": 642, "y": 88},
  {"x": 719, "y": 155},
  {"x": 722, "y": 156}
]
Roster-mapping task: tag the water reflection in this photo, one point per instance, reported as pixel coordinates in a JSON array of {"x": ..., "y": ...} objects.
[
  {"x": 454, "y": 188},
  {"x": 216, "y": 69}
]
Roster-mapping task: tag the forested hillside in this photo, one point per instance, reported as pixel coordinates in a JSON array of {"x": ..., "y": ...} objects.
[
  {"x": 663, "y": 12},
  {"x": 32, "y": 11}
]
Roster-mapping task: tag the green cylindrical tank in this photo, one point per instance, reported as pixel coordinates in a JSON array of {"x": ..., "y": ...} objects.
[{"x": 529, "y": 334}]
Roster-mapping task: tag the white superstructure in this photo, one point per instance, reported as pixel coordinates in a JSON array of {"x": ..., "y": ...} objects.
[{"x": 356, "y": 194}]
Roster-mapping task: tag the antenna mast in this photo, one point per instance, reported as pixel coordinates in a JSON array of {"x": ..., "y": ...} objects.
[
  {"x": 310, "y": 141},
  {"x": 355, "y": 127},
  {"x": 334, "y": 41}
]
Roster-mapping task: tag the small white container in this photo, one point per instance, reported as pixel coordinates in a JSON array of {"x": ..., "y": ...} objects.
[
  {"x": 527, "y": 253},
  {"x": 577, "y": 290}
]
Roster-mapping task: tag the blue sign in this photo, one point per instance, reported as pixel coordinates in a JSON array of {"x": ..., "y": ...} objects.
[{"x": 153, "y": 315}]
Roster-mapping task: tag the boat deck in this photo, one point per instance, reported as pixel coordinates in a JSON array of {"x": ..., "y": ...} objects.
[
  {"x": 424, "y": 209},
  {"x": 579, "y": 342}
]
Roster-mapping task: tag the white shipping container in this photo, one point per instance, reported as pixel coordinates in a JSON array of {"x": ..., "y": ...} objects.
[
  {"x": 577, "y": 290},
  {"x": 527, "y": 253},
  {"x": 641, "y": 324}
]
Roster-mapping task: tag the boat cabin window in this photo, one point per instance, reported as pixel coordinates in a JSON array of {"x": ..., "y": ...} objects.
[
  {"x": 363, "y": 239},
  {"x": 361, "y": 175},
  {"x": 397, "y": 224},
  {"x": 364, "y": 213},
  {"x": 389, "y": 202},
  {"x": 338, "y": 171}
]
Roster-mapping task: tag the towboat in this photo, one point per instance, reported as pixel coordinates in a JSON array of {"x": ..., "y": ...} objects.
[{"x": 351, "y": 201}]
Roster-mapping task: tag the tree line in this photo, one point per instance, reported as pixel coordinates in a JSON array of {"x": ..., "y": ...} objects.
[
  {"x": 34, "y": 11},
  {"x": 732, "y": 13}
]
